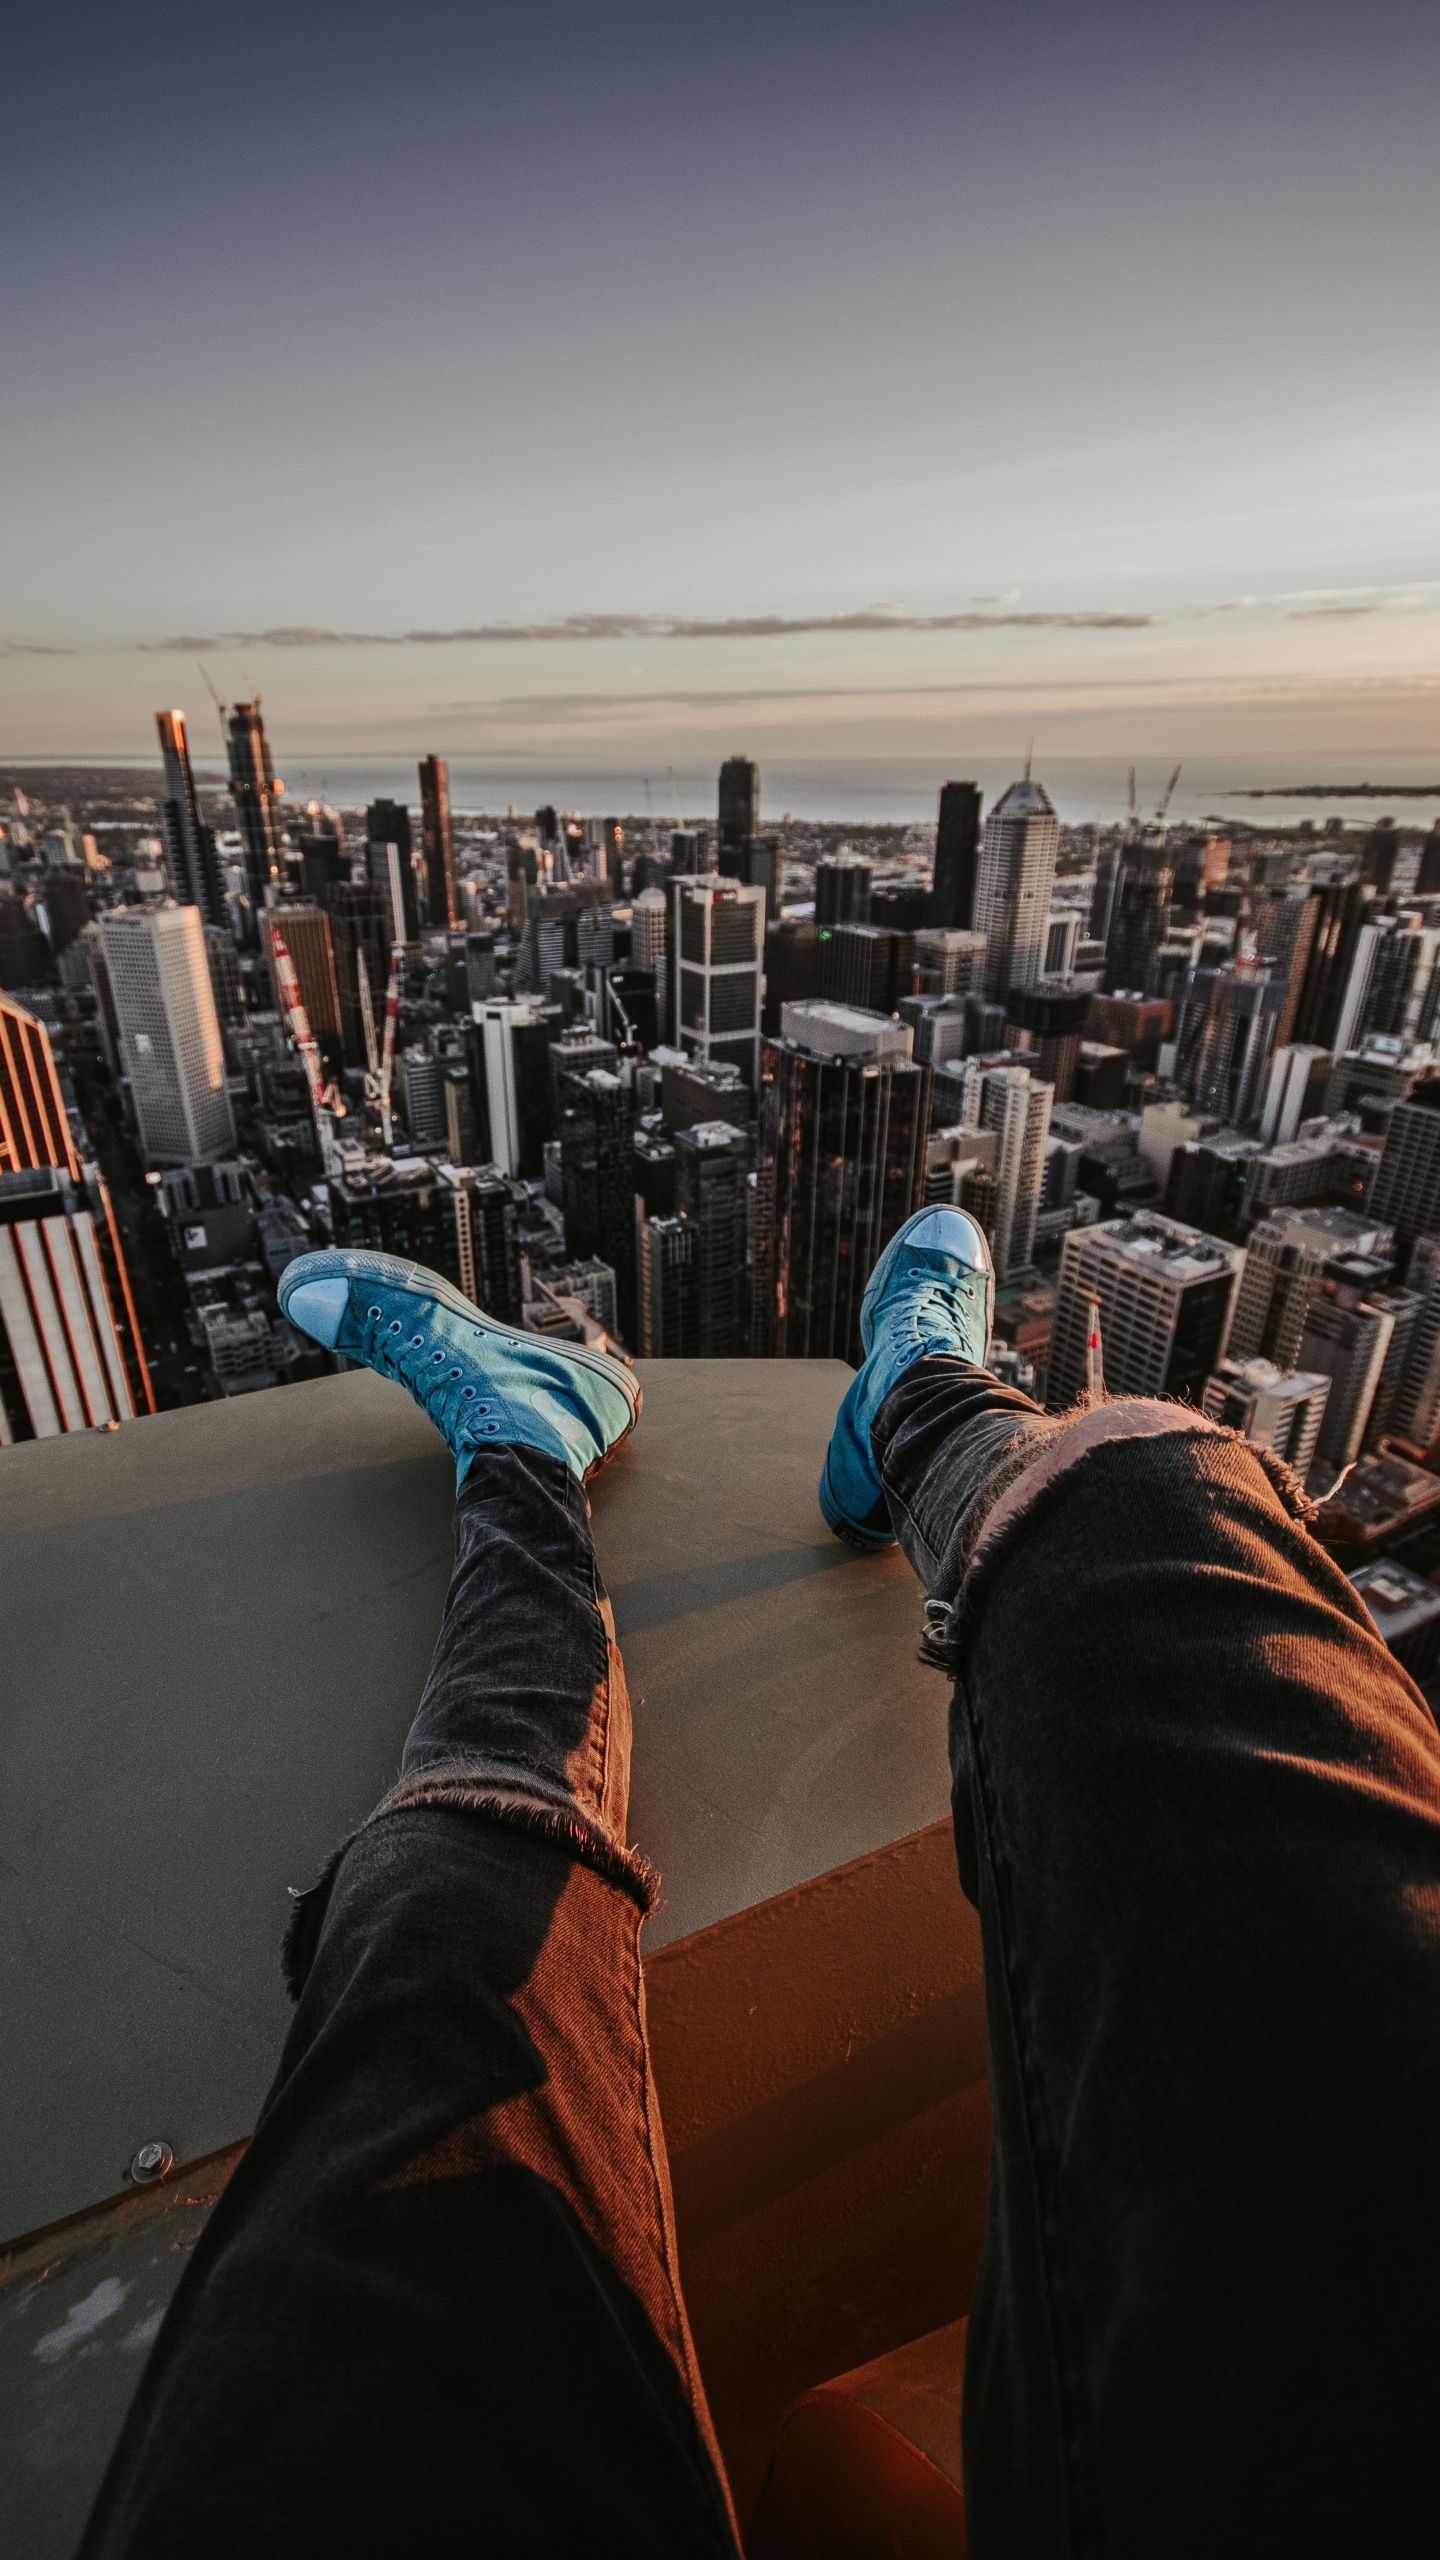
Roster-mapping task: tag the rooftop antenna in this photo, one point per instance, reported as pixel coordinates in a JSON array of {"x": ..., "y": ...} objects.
[{"x": 1029, "y": 757}]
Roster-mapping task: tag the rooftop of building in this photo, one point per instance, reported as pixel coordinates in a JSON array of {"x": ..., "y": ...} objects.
[{"x": 1164, "y": 1244}]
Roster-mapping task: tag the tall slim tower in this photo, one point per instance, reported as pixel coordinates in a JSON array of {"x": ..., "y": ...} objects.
[
  {"x": 439, "y": 843},
  {"x": 1008, "y": 1101},
  {"x": 389, "y": 858},
  {"x": 716, "y": 957},
  {"x": 71, "y": 1357},
  {"x": 255, "y": 792},
  {"x": 739, "y": 802},
  {"x": 957, "y": 855},
  {"x": 189, "y": 843},
  {"x": 169, "y": 1032},
  {"x": 712, "y": 1162},
  {"x": 1012, "y": 894}
]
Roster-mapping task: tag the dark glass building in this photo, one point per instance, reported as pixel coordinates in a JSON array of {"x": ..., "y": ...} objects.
[
  {"x": 957, "y": 856},
  {"x": 739, "y": 802},
  {"x": 844, "y": 1118},
  {"x": 252, "y": 787},
  {"x": 189, "y": 844},
  {"x": 360, "y": 923},
  {"x": 597, "y": 1122},
  {"x": 439, "y": 842},
  {"x": 390, "y": 859}
]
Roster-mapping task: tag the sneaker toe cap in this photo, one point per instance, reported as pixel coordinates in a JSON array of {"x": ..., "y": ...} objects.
[{"x": 318, "y": 1308}]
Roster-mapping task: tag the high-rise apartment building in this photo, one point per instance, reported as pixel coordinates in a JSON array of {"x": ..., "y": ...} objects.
[
  {"x": 1012, "y": 893},
  {"x": 1285, "y": 1267},
  {"x": 648, "y": 917},
  {"x": 1294, "y": 1091},
  {"x": 865, "y": 965},
  {"x": 1347, "y": 1335},
  {"x": 842, "y": 889},
  {"x": 1342, "y": 910},
  {"x": 949, "y": 961},
  {"x": 71, "y": 1356},
  {"x": 1016, "y": 1109},
  {"x": 716, "y": 962},
  {"x": 843, "y": 1121},
  {"x": 361, "y": 930},
  {"x": 667, "y": 1249},
  {"x": 1140, "y": 920},
  {"x": 957, "y": 856},
  {"x": 512, "y": 1065},
  {"x": 189, "y": 843},
  {"x": 439, "y": 843},
  {"x": 1053, "y": 1022},
  {"x": 304, "y": 929},
  {"x": 711, "y": 1171},
  {"x": 1224, "y": 1030},
  {"x": 255, "y": 792},
  {"x": 1165, "y": 1295},
  {"x": 739, "y": 802},
  {"x": 1277, "y": 1409},
  {"x": 597, "y": 1122},
  {"x": 1407, "y": 1187},
  {"x": 390, "y": 861},
  {"x": 171, "y": 1049}
]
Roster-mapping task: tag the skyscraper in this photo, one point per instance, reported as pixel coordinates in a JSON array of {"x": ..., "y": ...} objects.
[
  {"x": 1054, "y": 1021},
  {"x": 1012, "y": 894},
  {"x": 1165, "y": 1294},
  {"x": 1285, "y": 1266},
  {"x": 390, "y": 860},
  {"x": 667, "y": 1248},
  {"x": 1140, "y": 919},
  {"x": 439, "y": 842},
  {"x": 711, "y": 1168},
  {"x": 1345, "y": 1339},
  {"x": 305, "y": 930},
  {"x": 1342, "y": 910},
  {"x": 948, "y": 961},
  {"x": 957, "y": 854},
  {"x": 512, "y": 1063},
  {"x": 716, "y": 960},
  {"x": 1277, "y": 1409},
  {"x": 189, "y": 843},
  {"x": 71, "y": 1356},
  {"x": 842, "y": 889},
  {"x": 864, "y": 965},
  {"x": 169, "y": 1034},
  {"x": 360, "y": 928},
  {"x": 844, "y": 1117},
  {"x": 255, "y": 792},
  {"x": 739, "y": 802},
  {"x": 1407, "y": 1186},
  {"x": 1008, "y": 1101},
  {"x": 596, "y": 1129},
  {"x": 1224, "y": 1027}
]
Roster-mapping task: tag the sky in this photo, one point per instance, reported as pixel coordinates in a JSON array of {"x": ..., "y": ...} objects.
[{"x": 602, "y": 385}]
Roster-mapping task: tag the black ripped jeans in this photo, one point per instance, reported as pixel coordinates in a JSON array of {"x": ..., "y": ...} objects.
[{"x": 437, "y": 2309}]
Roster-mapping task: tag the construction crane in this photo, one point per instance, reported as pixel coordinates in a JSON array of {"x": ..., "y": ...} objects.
[
  {"x": 1134, "y": 826},
  {"x": 367, "y": 1017},
  {"x": 1167, "y": 795},
  {"x": 215, "y": 698}
]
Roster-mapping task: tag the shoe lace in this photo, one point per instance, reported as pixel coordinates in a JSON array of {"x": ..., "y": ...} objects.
[
  {"x": 945, "y": 1306},
  {"x": 430, "y": 1375}
]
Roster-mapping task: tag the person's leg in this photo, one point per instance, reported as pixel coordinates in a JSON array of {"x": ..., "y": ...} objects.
[
  {"x": 1198, "y": 1806},
  {"x": 437, "y": 2309}
]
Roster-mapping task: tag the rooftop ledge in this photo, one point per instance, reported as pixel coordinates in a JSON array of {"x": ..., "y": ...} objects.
[{"x": 218, "y": 1624}]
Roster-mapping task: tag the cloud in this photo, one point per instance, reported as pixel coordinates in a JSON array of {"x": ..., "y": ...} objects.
[
  {"x": 656, "y": 626},
  {"x": 1330, "y": 612},
  {"x": 32, "y": 649}
]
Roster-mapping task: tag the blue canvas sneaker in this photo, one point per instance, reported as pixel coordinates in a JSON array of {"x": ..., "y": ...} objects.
[
  {"x": 931, "y": 1292},
  {"x": 481, "y": 1382}
]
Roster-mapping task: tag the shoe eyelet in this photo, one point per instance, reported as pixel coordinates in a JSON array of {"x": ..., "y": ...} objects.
[
  {"x": 374, "y": 1314},
  {"x": 438, "y": 1358},
  {"x": 417, "y": 1341},
  {"x": 395, "y": 1328},
  {"x": 454, "y": 1373},
  {"x": 469, "y": 1392}
]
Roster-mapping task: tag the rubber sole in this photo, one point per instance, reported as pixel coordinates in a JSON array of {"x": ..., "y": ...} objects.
[{"x": 420, "y": 1282}]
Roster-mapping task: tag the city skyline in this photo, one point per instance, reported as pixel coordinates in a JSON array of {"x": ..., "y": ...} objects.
[{"x": 1138, "y": 458}]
